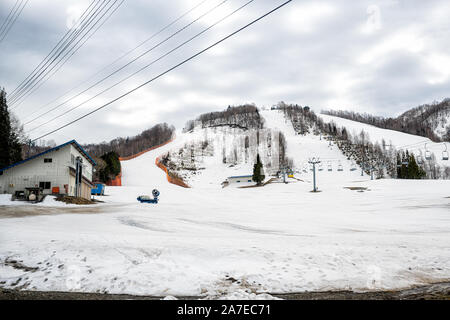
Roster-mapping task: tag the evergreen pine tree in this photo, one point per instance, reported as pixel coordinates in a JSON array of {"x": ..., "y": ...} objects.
[
  {"x": 10, "y": 148},
  {"x": 399, "y": 166},
  {"x": 112, "y": 166},
  {"x": 258, "y": 177},
  {"x": 411, "y": 170},
  {"x": 414, "y": 171},
  {"x": 404, "y": 167}
]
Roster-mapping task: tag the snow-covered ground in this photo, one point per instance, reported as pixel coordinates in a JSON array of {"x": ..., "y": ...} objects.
[{"x": 239, "y": 242}]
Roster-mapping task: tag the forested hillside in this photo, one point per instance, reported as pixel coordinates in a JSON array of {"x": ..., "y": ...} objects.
[
  {"x": 128, "y": 146},
  {"x": 107, "y": 154},
  {"x": 244, "y": 117},
  {"x": 232, "y": 138},
  {"x": 428, "y": 120}
]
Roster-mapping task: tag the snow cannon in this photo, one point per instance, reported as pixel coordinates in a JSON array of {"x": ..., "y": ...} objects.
[{"x": 147, "y": 199}]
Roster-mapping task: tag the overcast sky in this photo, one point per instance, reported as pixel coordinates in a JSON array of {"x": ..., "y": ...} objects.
[{"x": 381, "y": 57}]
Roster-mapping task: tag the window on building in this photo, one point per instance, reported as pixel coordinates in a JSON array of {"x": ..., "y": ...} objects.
[
  {"x": 249, "y": 180},
  {"x": 44, "y": 185},
  {"x": 72, "y": 159},
  {"x": 46, "y": 160}
]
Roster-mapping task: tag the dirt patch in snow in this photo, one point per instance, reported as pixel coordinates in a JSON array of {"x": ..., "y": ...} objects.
[
  {"x": 357, "y": 188},
  {"x": 73, "y": 200},
  {"x": 30, "y": 210},
  {"x": 19, "y": 265}
]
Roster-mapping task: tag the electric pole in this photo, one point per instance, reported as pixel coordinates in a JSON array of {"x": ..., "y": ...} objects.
[
  {"x": 78, "y": 176},
  {"x": 314, "y": 161}
]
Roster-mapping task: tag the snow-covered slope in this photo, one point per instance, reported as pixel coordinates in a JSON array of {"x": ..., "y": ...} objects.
[
  {"x": 209, "y": 241},
  {"x": 141, "y": 171},
  {"x": 435, "y": 116},
  {"x": 416, "y": 144},
  {"x": 302, "y": 148}
]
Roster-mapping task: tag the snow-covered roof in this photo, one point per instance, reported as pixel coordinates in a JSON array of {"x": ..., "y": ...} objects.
[
  {"x": 241, "y": 176},
  {"x": 72, "y": 142}
]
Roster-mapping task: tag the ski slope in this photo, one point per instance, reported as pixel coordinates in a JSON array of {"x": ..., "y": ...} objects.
[
  {"x": 398, "y": 140},
  {"x": 302, "y": 148},
  {"x": 232, "y": 242}
]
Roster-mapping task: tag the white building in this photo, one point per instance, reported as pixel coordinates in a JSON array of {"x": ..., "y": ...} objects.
[
  {"x": 240, "y": 179},
  {"x": 53, "y": 170}
]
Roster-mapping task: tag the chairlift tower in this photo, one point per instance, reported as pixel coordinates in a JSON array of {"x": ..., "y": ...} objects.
[
  {"x": 283, "y": 172},
  {"x": 314, "y": 161}
]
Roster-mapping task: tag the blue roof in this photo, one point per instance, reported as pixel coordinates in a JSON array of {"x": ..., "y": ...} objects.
[
  {"x": 73, "y": 142},
  {"x": 241, "y": 176}
]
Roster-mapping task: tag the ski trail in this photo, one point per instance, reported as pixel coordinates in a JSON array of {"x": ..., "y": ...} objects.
[{"x": 301, "y": 148}]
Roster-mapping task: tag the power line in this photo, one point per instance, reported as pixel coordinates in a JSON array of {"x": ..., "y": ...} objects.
[
  {"x": 65, "y": 51},
  {"x": 55, "y": 48},
  {"x": 122, "y": 56},
  {"x": 69, "y": 54},
  {"x": 165, "y": 72},
  {"x": 13, "y": 20},
  {"x": 9, "y": 18},
  {"x": 127, "y": 64},
  {"x": 72, "y": 36},
  {"x": 65, "y": 48},
  {"x": 143, "y": 68},
  {"x": 6, "y": 22}
]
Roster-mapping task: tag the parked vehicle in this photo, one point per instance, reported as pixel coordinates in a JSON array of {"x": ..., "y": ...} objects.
[{"x": 34, "y": 195}]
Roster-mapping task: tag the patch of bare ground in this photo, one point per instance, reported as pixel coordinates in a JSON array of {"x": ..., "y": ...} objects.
[
  {"x": 16, "y": 264},
  {"x": 435, "y": 291},
  {"x": 271, "y": 180},
  {"x": 357, "y": 188},
  {"x": 32, "y": 210},
  {"x": 74, "y": 200}
]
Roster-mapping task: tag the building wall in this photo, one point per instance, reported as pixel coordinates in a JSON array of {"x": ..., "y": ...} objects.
[
  {"x": 87, "y": 166},
  {"x": 30, "y": 173},
  {"x": 85, "y": 190},
  {"x": 241, "y": 179},
  {"x": 71, "y": 191}
]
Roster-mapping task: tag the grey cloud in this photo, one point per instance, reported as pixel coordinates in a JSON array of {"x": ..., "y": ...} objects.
[{"x": 273, "y": 60}]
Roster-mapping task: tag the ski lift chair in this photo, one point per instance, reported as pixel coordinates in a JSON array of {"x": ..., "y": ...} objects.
[
  {"x": 330, "y": 168},
  {"x": 445, "y": 153},
  {"x": 420, "y": 158},
  {"x": 320, "y": 167},
  {"x": 340, "y": 167},
  {"x": 427, "y": 153},
  {"x": 353, "y": 167}
]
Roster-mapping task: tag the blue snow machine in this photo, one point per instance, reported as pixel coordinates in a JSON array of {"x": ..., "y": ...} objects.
[{"x": 147, "y": 199}]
